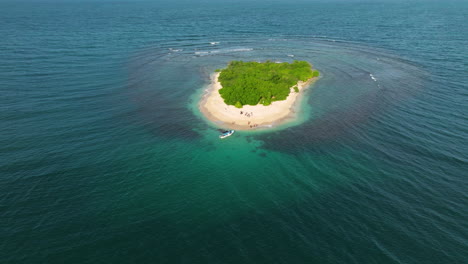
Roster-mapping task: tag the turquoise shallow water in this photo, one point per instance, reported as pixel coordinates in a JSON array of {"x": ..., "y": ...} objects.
[{"x": 106, "y": 159}]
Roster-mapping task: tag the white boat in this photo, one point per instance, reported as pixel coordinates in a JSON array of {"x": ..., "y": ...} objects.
[{"x": 226, "y": 134}]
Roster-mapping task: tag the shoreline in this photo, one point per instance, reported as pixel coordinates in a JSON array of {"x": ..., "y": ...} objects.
[{"x": 249, "y": 117}]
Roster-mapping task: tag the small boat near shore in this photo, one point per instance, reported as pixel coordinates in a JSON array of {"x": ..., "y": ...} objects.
[{"x": 226, "y": 133}]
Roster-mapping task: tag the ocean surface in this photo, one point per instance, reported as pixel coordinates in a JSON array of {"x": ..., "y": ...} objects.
[{"x": 105, "y": 157}]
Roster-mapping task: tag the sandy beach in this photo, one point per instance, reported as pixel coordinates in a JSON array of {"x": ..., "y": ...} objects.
[{"x": 248, "y": 117}]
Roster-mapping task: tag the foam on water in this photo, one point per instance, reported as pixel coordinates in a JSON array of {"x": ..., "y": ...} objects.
[{"x": 222, "y": 51}]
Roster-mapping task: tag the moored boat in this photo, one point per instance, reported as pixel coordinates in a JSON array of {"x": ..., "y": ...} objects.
[{"x": 226, "y": 133}]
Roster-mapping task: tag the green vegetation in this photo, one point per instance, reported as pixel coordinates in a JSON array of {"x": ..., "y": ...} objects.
[{"x": 251, "y": 83}]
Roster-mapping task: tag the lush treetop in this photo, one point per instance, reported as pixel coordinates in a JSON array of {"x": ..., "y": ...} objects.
[{"x": 251, "y": 83}]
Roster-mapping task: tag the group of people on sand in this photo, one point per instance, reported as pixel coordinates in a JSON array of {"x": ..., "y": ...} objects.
[
  {"x": 246, "y": 114},
  {"x": 253, "y": 125}
]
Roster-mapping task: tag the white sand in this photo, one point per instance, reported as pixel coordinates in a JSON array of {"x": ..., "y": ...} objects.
[{"x": 259, "y": 116}]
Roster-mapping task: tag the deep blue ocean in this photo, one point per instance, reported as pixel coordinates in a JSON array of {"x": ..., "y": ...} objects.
[{"x": 105, "y": 157}]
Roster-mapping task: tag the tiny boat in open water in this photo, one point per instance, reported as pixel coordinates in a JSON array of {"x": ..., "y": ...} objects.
[{"x": 226, "y": 133}]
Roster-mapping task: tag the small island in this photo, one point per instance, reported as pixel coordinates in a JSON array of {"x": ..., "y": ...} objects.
[{"x": 250, "y": 95}]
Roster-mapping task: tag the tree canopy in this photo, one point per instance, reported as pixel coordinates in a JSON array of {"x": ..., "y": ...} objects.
[{"x": 252, "y": 83}]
